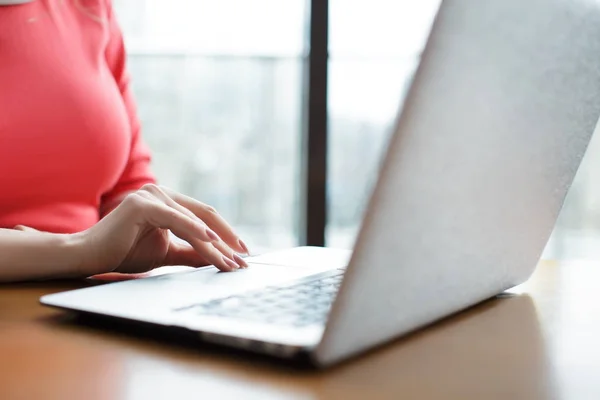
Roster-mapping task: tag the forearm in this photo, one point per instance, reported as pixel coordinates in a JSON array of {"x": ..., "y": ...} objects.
[{"x": 34, "y": 255}]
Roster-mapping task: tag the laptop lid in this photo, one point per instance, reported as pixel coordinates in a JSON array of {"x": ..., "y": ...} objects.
[{"x": 492, "y": 132}]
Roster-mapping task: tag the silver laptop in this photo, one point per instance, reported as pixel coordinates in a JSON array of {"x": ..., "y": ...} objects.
[{"x": 491, "y": 134}]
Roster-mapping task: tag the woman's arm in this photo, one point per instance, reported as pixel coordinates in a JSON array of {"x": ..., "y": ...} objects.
[
  {"x": 133, "y": 238},
  {"x": 29, "y": 255}
]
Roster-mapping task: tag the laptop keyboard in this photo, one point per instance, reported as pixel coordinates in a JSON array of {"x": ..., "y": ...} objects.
[{"x": 303, "y": 304}]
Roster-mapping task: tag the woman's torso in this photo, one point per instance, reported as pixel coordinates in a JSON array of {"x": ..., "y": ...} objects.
[{"x": 64, "y": 130}]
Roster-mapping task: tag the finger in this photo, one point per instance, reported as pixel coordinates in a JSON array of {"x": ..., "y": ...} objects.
[
  {"x": 25, "y": 228},
  {"x": 160, "y": 194},
  {"x": 162, "y": 216},
  {"x": 227, "y": 251},
  {"x": 159, "y": 215},
  {"x": 184, "y": 254},
  {"x": 212, "y": 218},
  {"x": 214, "y": 256}
]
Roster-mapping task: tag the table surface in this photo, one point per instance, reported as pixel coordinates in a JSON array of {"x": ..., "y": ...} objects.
[{"x": 540, "y": 341}]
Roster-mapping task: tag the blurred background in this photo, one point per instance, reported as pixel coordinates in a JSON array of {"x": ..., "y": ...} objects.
[{"x": 220, "y": 87}]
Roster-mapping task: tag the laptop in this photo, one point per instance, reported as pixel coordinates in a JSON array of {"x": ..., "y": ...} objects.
[{"x": 491, "y": 133}]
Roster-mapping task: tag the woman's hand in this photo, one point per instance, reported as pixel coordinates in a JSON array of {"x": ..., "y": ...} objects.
[{"x": 135, "y": 238}]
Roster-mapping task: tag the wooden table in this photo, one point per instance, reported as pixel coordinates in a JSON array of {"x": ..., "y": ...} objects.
[{"x": 542, "y": 341}]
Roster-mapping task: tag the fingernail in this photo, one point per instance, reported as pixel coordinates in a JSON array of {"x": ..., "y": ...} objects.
[
  {"x": 230, "y": 263},
  {"x": 241, "y": 262},
  {"x": 244, "y": 247},
  {"x": 211, "y": 235}
]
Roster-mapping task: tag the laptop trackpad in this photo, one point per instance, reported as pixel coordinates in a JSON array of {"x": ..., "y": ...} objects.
[
  {"x": 156, "y": 295},
  {"x": 161, "y": 294}
]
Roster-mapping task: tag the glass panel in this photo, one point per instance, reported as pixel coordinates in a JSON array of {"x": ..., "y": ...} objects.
[
  {"x": 211, "y": 27},
  {"x": 577, "y": 231},
  {"x": 219, "y": 97},
  {"x": 375, "y": 47},
  {"x": 364, "y": 99},
  {"x": 379, "y": 28}
]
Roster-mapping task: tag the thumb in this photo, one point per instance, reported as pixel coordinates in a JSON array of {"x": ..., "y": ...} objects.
[
  {"x": 25, "y": 228},
  {"x": 184, "y": 254}
]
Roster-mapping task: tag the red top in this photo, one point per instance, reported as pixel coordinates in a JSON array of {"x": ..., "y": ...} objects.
[{"x": 69, "y": 135}]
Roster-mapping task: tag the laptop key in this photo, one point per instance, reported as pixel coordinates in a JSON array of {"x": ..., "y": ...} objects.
[{"x": 299, "y": 305}]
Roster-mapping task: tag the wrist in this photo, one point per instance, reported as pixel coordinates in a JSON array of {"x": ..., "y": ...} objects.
[{"x": 73, "y": 246}]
